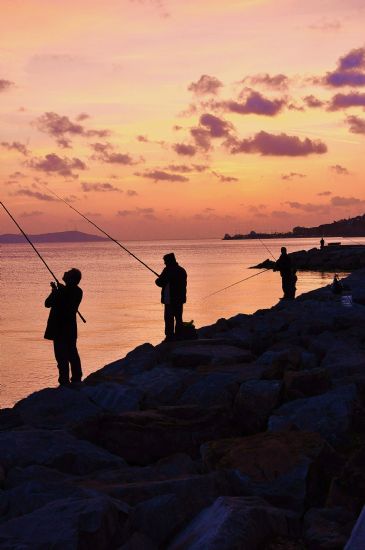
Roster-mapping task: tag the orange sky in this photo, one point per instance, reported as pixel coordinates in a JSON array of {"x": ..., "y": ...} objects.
[{"x": 171, "y": 119}]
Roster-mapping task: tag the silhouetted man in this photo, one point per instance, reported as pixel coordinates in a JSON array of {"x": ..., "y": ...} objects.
[
  {"x": 321, "y": 242},
  {"x": 283, "y": 265},
  {"x": 173, "y": 295},
  {"x": 64, "y": 301}
]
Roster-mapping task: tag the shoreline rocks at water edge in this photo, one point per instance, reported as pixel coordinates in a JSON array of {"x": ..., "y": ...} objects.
[{"x": 251, "y": 437}]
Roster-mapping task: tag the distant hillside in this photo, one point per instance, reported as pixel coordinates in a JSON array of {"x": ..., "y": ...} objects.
[
  {"x": 61, "y": 237},
  {"x": 351, "y": 227}
]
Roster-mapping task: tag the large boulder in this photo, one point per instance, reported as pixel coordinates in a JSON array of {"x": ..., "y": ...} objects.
[
  {"x": 254, "y": 402},
  {"x": 112, "y": 397},
  {"x": 327, "y": 528},
  {"x": 288, "y": 469},
  {"x": 143, "y": 437},
  {"x": 55, "y": 449},
  {"x": 348, "y": 488},
  {"x": 212, "y": 390},
  {"x": 329, "y": 414},
  {"x": 235, "y": 522},
  {"x": 306, "y": 383},
  {"x": 73, "y": 523},
  {"x": 56, "y": 408},
  {"x": 194, "y": 354}
]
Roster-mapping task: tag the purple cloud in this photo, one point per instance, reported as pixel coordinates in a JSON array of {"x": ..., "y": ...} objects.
[
  {"x": 340, "y": 170},
  {"x": 205, "y": 85},
  {"x": 34, "y": 194},
  {"x": 201, "y": 137},
  {"x": 99, "y": 187},
  {"x": 31, "y": 214},
  {"x": 292, "y": 175},
  {"x": 185, "y": 169},
  {"x": 61, "y": 128},
  {"x": 308, "y": 207},
  {"x": 131, "y": 193},
  {"x": 349, "y": 70},
  {"x": 52, "y": 163},
  {"x": 324, "y": 193},
  {"x": 15, "y": 146},
  {"x": 224, "y": 179},
  {"x": 161, "y": 175},
  {"x": 5, "y": 84},
  {"x": 105, "y": 153},
  {"x": 275, "y": 82},
  {"x": 357, "y": 124},
  {"x": 355, "y": 59},
  {"x": 184, "y": 149},
  {"x": 313, "y": 102},
  {"x": 217, "y": 127},
  {"x": 346, "y": 201},
  {"x": 343, "y": 101},
  {"x": 276, "y": 145},
  {"x": 148, "y": 213},
  {"x": 255, "y": 103}
]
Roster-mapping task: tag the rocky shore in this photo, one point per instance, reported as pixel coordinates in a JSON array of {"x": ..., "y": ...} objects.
[
  {"x": 331, "y": 258},
  {"x": 252, "y": 437}
]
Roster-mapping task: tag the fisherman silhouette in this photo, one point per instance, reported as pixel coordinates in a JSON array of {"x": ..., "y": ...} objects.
[
  {"x": 291, "y": 289},
  {"x": 64, "y": 301},
  {"x": 173, "y": 295},
  {"x": 283, "y": 264},
  {"x": 321, "y": 242},
  {"x": 337, "y": 286}
]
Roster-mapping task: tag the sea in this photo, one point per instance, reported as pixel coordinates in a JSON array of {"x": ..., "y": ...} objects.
[{"x": 121, "y": 302}]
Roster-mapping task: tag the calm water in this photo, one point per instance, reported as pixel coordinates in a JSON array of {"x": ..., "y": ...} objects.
[{"x": 121, "y": 302}]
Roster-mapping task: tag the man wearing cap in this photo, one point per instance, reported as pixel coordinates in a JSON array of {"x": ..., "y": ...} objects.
[
  {"x": 284, "y": 265},
  {"x": 173, "y": 295}
]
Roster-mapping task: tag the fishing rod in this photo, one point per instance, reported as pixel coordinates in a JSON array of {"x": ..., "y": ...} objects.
[
  {"x": 102, "y": 231},
  {"x": 36, "y": 251},
  {"x": 233, "y": 284},
  {"x": 267, "y": 248}
]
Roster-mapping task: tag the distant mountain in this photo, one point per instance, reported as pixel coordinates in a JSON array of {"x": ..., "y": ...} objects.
[
  {"x": 350, "y": 227},
  {"x": 61, "y": 237}
]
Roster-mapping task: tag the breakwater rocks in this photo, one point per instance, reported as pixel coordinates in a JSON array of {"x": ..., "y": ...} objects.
[
  {"x": 252, "y": 437},
  {"x": 331, "y": 258}
]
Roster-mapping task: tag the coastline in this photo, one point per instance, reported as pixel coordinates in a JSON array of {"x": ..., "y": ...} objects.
[{"x": 260, "y": 421}]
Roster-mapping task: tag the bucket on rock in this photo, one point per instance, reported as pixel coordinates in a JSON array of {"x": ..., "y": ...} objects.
[
  {"x": 188, "y": 331},
  {"x": 346, "y": 300}
]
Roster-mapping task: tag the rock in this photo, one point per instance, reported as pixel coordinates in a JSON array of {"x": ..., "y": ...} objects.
[
  {"x": 275, "y": 363},
  {"x": 356, "y": 540},
  {"x": 55, "y": 408},
  {"x": 306, "y": 383},
  {"x": 143, "y": 437},
  {"x": 71, "y": 523},
  {"x": 212, "y": 390},
  {"x": 348, "y": 488},
  {"x": 254, "y": 402},
  {"x": 195, "y": 354},
  {"x": 9, "y": 419},
  {"x": 343, "y": 360},
  {"x": 329, "y": 414},
  {"x": 289, "y": 469},
  {"x": 113, "y": 397},
  {"x": 162, "y": 385},
  {"x": 234, "y": 522},
  {"x": 55, "y": 449},
  {"x": 138, "y": 541},
  {"x": 327, "y": 528}
]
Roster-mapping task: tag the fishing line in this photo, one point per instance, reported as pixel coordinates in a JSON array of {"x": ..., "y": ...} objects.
[
  {"x": 233, "y": 284},
  {"x": 267, "y": 248},
  {"x": 102, "y": 230},
  {"x": 36, "y": 251}
]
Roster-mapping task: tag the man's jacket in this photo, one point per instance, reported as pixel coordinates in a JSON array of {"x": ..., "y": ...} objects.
[
  {"x": 283, "y": 265},
  {"x": 64, "y": 303},
  {"x": 173, "y": 284}
]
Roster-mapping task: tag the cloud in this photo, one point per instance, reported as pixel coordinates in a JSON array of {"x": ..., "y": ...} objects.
[
  {"x": 275, "y": 82},
  {"x": 52, "y": 163},
  {"x": 105, "y": 152},
  {"x": 346, "y": 201},
  {"x": 201, "y": 137},
  {"x": 292, "y": 175},
  {"x": 340, "y": 170},
  {"x": 308, "y": 207},
  {"x": 61, "y": 128},
  {"x": 255, "y": 103},
  {"x": 99, "y": 187},
  {"x": 5, "y": 84},
  {"x": 217, "y": 127},
  {"x": 224, "y": 179},
  {"x": 326, "y": 25},
  {"x": 349, "y": 70},
  {"x": 357, "y": 124},
  {"x": 15, "y": 146},
  {"x": 161, "y": 175},
  {"x": 17, "y": 174},
  {"x": 185, "y": 169},
  {"x": 148, "y": 213},
  {"x": 324, "y": 193},
  {"x": 34, "y": 194},
  {"x": 131, "y": 193},
  {"x": 184, "y": 149},
  {"x": 313, "y": 102},
  {"x": 31, "y": 214},
  {"x": 343, "y": 101},
  {"x": 276, "y": 145},
  {"x": 205, "y": 85}
]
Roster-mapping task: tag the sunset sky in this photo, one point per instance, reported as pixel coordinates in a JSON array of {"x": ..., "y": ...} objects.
[{"x": 181, "y": 118}]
